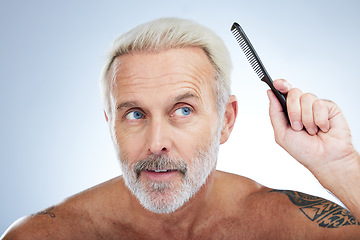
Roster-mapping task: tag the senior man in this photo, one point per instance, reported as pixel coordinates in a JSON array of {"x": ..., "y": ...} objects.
[{"x": 167, "y": 101}]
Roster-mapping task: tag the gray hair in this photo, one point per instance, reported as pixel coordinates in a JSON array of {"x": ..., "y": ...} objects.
[{"x": 166, "y": 33}]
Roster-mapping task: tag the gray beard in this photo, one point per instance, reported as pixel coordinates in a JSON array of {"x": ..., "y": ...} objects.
[{"x": 167, "y": 197}]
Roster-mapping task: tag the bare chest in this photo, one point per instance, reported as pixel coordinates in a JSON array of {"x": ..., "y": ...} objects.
[{"x": 222, "y": 228}]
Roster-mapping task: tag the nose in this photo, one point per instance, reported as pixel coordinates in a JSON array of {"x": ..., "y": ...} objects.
[{"x": 159, "y": 137}]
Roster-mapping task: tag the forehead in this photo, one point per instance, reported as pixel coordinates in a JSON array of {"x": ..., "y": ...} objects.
[{"x": 170, "y": 70}]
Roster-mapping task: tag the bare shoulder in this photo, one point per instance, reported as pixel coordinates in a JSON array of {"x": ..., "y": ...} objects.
[
  {"x": 70, "y": 219},
  {"x": 320, "y": 211},
  {"x": 285, "y": 214},
  {"x": 235, "y": 182},
  {"x": 45, "y": 224},
  {"x": 303, "y": 215}
]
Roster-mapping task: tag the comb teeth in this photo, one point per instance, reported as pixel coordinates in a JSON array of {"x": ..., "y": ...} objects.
[
  {"x": 256, "y": 63},
  {"x": 249, "y": 53}
]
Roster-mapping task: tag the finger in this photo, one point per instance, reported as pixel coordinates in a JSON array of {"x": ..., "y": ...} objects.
[
  {"x": 282, "y": 85},
  {"x": 336, "y": 117},
  {"x": 307, "y": 114},
  {"x": 321, "y": 114},
  {"x": 277, "y": 116},
  {"x": 294, "y": 108}
]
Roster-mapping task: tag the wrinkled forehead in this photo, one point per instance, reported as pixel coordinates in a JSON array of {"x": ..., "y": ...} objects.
[{"x": 174, "y": 68}]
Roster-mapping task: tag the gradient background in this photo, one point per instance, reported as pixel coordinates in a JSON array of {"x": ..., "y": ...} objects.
[{"x": 54, "y": 141}]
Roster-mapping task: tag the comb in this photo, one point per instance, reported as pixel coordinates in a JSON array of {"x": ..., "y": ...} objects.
[{"x": 256, "y": 63}]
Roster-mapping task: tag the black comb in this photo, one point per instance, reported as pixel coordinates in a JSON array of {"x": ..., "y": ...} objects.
[{"x": 256, "y": 63}]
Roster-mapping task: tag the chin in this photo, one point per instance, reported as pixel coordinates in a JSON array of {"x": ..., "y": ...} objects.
[{"x": 163, "y": 197}]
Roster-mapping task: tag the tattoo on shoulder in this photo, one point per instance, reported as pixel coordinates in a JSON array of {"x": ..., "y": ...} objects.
[
  {"x": 48, "y": 211},
  {"x": 326, "y": 213}
]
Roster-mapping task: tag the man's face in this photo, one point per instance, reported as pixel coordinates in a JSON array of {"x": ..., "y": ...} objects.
[{"x": 164, "y": 124}]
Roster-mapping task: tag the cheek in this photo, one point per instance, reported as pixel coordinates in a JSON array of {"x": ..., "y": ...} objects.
[
  {"x": 189, "y": 142},
  {"x": 130, "y": 146}
]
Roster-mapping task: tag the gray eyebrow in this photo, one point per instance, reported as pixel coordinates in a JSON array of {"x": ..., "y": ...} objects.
[
  {"x": 127, "y": 104},
  {"x": 185, "y": 96},
  {"x": 130, "y": 104}
]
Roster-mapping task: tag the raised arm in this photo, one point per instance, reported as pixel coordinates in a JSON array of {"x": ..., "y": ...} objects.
[{"x": 318, "y": 137}]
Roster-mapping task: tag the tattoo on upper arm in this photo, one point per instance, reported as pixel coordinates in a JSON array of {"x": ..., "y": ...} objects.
[
  {"x": 327, "y": 214},
  {"x": 48, "y": 211}
]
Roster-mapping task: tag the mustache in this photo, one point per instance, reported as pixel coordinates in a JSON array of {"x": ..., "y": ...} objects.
[{"x": 160, "y": 162}]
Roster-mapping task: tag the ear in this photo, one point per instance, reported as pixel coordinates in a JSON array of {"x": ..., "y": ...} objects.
[
  {"x": 106, "y": 117},
  {"x": 229, "y": 119}
]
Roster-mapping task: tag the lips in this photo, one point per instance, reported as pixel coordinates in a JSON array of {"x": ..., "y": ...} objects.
[
  {"x": 157, "y": 175},
  {"x": 160, "y": 170}
]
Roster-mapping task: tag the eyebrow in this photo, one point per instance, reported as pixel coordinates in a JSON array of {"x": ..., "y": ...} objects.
[
  {"x": 185, "y": 96},
  {"x": 127, "y": 104},
  {"x": 130, "y": 104}
]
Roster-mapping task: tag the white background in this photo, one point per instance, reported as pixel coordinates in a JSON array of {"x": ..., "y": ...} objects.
[{"x": 54, "y": 141}]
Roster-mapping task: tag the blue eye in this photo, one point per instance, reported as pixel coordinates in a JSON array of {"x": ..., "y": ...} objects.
[
  {"x": 183, "y": 111},
  {"x": 134, "y": 115}
]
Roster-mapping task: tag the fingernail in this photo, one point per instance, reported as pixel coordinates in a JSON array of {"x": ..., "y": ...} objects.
[
  {"x": 324, "y": 129},
  {"x": 297, "y": 126},
  {"x": 312, "y": 131}
]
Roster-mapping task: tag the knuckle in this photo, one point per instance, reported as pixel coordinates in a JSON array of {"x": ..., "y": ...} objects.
[
  {"x": 294, "y": 92},
  {"x": 306, "y": 97},
  {"x": 277, "y": 140},
  {"x": 319, "y": 103}
]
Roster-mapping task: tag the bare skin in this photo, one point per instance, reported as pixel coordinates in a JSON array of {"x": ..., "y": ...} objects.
[
  {"x": 156, "y": 87},
  {"x": 234, "y": 208}
]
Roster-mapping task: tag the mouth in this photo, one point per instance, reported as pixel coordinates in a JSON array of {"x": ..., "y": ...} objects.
[
  {"x": 160, "y": 170},
  {"x": 160, "y": 175}
]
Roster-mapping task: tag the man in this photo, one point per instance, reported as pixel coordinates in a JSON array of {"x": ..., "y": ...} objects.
[{"x": 166, "y": 88}]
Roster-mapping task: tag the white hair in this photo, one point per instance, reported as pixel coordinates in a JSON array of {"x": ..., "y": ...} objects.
[{"x": 166, "y": 33}]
